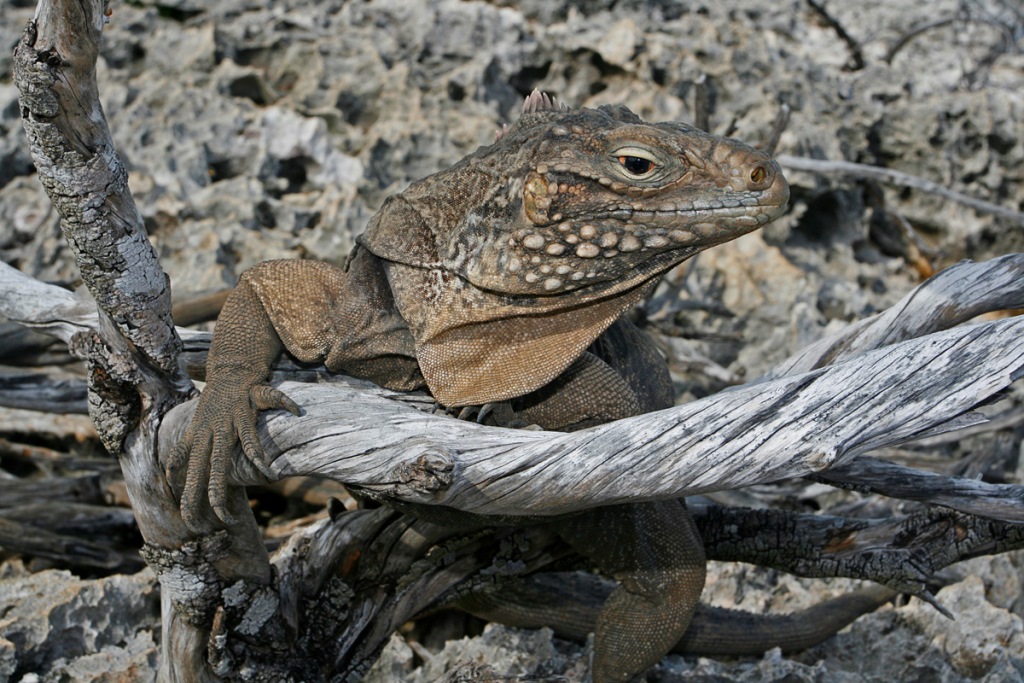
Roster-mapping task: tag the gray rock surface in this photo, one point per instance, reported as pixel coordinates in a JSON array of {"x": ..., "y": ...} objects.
[
  {"x": 257, "y": 130},
  {"x": 56, "y": 627}
]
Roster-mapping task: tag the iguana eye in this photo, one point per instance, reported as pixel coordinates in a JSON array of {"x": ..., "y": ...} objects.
[
  {"x": 635, "y": 162},
  {"x": 637, "y": 166}
]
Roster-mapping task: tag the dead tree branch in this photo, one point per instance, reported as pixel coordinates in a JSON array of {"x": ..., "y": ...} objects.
[
  {"x": 783, "y": 428},
  {"x": 995, "y": 501},
  {"x": 132, "y": 352},
  {"x": 888, "y": 176}
]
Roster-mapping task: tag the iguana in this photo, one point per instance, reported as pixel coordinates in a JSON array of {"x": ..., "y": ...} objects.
[{"x": 503, "y": 282}]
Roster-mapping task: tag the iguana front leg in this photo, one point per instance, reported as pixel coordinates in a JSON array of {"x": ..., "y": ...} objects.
[
  {"x": 237, "y": 369},
  {"x": 319, "y": 313},
  {"x": 620, "y": 375},
  {"x": 588, "y": 393}
]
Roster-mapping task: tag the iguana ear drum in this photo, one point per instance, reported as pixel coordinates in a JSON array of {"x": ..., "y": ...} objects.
[{"x": 537, "y": 199}]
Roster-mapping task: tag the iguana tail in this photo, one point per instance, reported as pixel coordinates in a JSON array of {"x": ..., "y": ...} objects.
[{"x": 569, "y": 605}]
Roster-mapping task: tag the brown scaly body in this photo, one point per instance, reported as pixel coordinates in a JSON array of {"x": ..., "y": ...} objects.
[{"x": 504, "y": 279}]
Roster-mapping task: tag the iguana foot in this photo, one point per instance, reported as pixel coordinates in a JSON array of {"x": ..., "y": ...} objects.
[
  {"x": 655, "y": 553},
  {"x": 497, "y": 414},
  {"x": 225, "y": 417}
]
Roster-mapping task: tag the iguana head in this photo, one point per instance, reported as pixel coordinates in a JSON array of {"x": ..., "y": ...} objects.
[
  {"x": 577, "y": 200},
  {"x": 509, "y": 264},
  {"x": 602, "y": 197}
]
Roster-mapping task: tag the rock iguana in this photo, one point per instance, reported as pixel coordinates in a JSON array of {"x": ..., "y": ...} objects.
[{"x": 504, "y": 280}]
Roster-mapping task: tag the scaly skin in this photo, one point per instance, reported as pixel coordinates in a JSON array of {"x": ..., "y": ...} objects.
[{"x": 504, "y": 279}]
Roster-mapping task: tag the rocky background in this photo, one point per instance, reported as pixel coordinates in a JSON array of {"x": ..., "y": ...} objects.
[{"x": 257, "y": 130}]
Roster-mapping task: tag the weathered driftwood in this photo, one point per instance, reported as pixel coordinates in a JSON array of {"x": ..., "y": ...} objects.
[
  {"x": 30, "y": 348},
  {"x": 857, "y": 548},
  {"x": 33, "y": 391},
  {"x": 780, "y": 429},
  {"x": 23, "y": 492},
  {"x": 87, "y": 182},
  {"x": 342, "y": 586},
  {"x": 132, "y": 353},
  {"x": 997, "y": 501},
  {"x": 337, "y": 427},
  {"x": 23, "y": 537},
  {"x": 45, "y": 308}
]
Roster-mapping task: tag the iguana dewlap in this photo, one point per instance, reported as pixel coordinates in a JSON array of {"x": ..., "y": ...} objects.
[{"x": 504, "y": 278}]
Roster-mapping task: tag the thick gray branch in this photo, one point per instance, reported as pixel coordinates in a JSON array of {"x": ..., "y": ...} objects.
[
  {"x": 132, "y": 350},
  {"x": 749, "y": 432},
  {"x": 774, "y": 430},
  {"x": 85, "y": 179}
]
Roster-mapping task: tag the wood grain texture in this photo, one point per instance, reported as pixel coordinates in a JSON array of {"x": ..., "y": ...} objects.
[
  {"x": 45, "y": 308},
  {"x": 948, "y": 298},
  {"x": 130, "y": 343},
  {"x": 84, "y": 177}
]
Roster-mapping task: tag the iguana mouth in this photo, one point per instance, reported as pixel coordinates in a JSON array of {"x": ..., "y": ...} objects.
[{"x": 734, "y": 209}]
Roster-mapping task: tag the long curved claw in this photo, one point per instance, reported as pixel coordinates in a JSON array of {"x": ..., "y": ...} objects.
[
  {"x": 470, "y": 414},
  {"x": 485, "y": 411},
  {"x": 217, "y": 487},
  {"x": 264, "y": 397},
  {"x": 253, "y": 449},
  {"x": 498, "y": 413}
]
